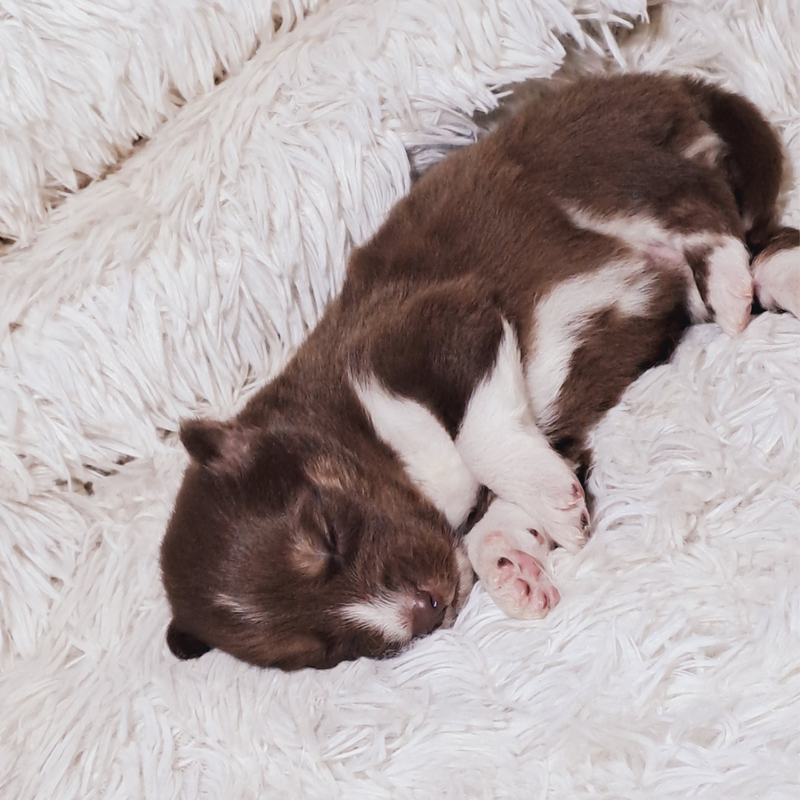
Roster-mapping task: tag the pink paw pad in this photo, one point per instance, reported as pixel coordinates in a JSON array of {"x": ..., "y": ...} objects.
[{"x": 516, "y": 581}]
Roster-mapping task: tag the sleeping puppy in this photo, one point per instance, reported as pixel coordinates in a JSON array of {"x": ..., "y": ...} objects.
[{"x": 502, "y": 308}]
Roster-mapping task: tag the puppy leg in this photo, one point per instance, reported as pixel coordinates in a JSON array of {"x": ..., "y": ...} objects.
[
  {"x": 776, "y": 270},
  {"x": 754, "y": 167},
  {"x": 501, "y": 445},
  {"x": 464, "y": 380},
  {"x": 509, "y": 556},
  {"x": 728, "y": 282},
  {"x": 716, "y": 255}
]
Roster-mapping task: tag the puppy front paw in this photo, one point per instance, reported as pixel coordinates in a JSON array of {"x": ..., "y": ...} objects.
[
  {"x": 508, "y": 555},
  {"x": 560, "y": 509},
  {"x": 515, "y": 580}
]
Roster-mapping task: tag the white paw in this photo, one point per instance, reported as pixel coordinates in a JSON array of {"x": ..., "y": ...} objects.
[
  {"x": 730, "y": 286},
  {"x": 777, "y": 280},
  {"x": 560, "y": 509},
  {"x": 515, "y": 580},
  {"x": 508, "y": 554}
]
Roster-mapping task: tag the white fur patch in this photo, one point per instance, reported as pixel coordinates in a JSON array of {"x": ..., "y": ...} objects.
[
  {"x": 389, "y": 616},
  {"x": 497, "y": 414},
  {"x": 244, "y": 611},
  {"x": 730, "y": 285},
  {"x": 662, "y": 245},
  {"x": 561, "y": 318},
  {"x": 502, "y": 446},
  {"x": 706, "y": 147},
  {"x": 428, "y": 453},
  {"x": 638, "y": 231},
  {"x": 777, "y": 280}
]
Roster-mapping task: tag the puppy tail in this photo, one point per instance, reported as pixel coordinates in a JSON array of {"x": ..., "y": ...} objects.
[{"x": 752, "y": 159}]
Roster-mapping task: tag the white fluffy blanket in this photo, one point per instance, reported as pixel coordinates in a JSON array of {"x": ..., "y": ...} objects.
[{"x": 167, "y": 242}]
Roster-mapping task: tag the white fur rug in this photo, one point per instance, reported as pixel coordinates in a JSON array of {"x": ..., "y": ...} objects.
[{"x": 214, "y": 226}]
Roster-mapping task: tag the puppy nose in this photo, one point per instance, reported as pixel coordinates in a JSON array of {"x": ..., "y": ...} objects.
[{"x": 427, "y": 613}]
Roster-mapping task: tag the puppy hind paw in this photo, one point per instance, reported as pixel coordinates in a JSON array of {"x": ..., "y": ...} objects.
[
  {"x": 777, "y": 280},
  {"x": 730, "y": 286}
]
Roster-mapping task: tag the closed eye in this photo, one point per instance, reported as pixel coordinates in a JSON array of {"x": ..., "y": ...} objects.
[
  {"x": 343, "y": 526},
  {"x": 330, "y": 541},
  {"x": 332, "y": 537}
]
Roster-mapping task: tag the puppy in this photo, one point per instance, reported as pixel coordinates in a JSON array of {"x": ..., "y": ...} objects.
[{"x": 502, "y": 308}]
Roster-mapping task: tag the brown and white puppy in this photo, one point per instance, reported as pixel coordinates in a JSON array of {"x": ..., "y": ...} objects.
[{"x": 502, "y": 308}]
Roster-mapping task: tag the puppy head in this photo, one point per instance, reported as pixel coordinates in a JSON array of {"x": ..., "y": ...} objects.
[{"x": 292, "y": 549}]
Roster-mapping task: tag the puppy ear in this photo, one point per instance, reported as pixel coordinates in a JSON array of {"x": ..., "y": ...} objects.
[
  {"x": 183, "y": 645},
  {"x": 223, "y": 447}
]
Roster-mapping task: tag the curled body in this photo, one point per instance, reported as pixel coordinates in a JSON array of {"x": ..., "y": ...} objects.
[{"x": 503, "y": 307}]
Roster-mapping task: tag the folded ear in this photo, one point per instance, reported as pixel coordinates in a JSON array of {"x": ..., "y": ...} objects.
[
  {"x": 223, "y": 447},
  {"x": 183, "y": 645}
]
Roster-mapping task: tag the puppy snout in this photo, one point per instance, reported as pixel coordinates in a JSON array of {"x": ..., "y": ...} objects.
[{"x": 427, "y": 612}]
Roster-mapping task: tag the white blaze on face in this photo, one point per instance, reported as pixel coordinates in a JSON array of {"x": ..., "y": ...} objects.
[
  {"x": 425, "y": 448},
  {"x": 388, "y": 615}
]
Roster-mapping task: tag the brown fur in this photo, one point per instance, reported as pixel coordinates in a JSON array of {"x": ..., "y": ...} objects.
[{"x": 296, "y": 508}]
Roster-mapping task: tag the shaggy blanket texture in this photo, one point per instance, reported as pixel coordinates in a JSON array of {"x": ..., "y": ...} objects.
[{"x": 180, "y": 184}]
